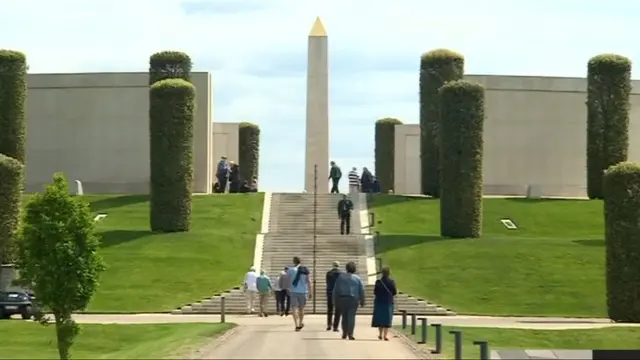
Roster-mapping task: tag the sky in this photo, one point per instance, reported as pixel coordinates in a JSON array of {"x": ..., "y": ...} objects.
[{"x": 256, "y": 53}]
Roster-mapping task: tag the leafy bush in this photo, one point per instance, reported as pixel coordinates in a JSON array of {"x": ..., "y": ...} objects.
[
  {"x": 437, "y": 67},
  {"x": 169, "y": 65},
  {"x": 171, "y": 116},
  {"x": 621, "y": 187},
  {"x": 57, "y": 255},
  {"x": 11, "y": 180},
  {"x": 248, "y": 150},
  {"x": 608, "y": 106},
  {"x": 13, "y": 94},
  {"x": 385, "y": 152},
  {"x": 462, "y": 114}
]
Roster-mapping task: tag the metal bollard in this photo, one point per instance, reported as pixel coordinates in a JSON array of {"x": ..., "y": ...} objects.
[
  {"x": 413, "y": 324},
  {"x": 376, "y": 238},
  {"x": 484, "y": 349},
  {"x": 404, "y": 318},
  {"x": 222, "y": 310},
  {"x": 438, "y": 348},
  {"x": 457, "y": 339},
  {"x": 423, "y": 338}
]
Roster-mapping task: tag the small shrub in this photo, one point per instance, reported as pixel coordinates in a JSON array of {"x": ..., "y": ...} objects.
[
  {"x": 622, "y": 238},
  {"x": 385, "y": 152},
  {"x": 171, "y": 116},
  {"x": 57, "y": 255},
  {"x": 462, "y": 112},
  {"x": 608, "y": 106},
  {"x": 13, "y": 95},
  {"x": 248, "y": 150},
  {"x": 11, "y": 180},
  {"x": 437, "y": 67},
  {"x": 169, "y": 65}
]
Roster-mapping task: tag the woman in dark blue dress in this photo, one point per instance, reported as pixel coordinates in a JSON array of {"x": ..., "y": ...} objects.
[{"x": 384, "y": 292}]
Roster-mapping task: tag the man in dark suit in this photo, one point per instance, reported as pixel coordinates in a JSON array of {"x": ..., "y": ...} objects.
[
  {"x": 345, "y": 206},
  {"x": 332, "y": 275}
]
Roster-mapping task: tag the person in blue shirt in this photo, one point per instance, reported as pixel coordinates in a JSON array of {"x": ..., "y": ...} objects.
[
  {"x": 299, "y": 290},
  {"x": 348, "y": 292}
]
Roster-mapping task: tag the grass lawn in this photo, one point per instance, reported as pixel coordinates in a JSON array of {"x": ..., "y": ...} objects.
[
  {"x": 526, "y": 339},
  {"x": 29, "y": 340},
  {"x": 158, "y": 272},
  {"x": 553, "y": 264}
]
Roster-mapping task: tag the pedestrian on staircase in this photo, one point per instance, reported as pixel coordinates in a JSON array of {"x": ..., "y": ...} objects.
[
  {"x": 334, "y": 175},
  {"x": 354, "y": 181},
  {"x": 263, "y": 284},
  {"x": 347, "y": 294},
  {"x": 345, "y": 206},
  {"x": 282, "y": 293},
  {"x": 300, "y": 290},
  {"x": 250, "y": 289},
  {"x": 332, "y": 275}
]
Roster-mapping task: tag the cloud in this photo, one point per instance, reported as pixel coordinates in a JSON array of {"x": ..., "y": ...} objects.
[{"x": 256, "y": 51}]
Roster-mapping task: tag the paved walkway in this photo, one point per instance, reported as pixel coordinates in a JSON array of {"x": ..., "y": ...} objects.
[{"x": 274, "y": 338}]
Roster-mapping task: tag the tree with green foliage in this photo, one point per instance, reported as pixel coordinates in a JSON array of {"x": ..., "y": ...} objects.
[
  {"x": 11, "y": 178},
  {"x": 171, "y": 116},
  {"x": 169, "y": 65},
  {"x": 13, "y": 95},
  {"x": 57, "y": 256},
  {"x": 248, "y": 150},
  {"x": 385, "y": 143},
  {"x": 608, "y": 106},
  {"x": 462, "y": 113},
  {"x": 621, "y": 186},
  {"x": 437, "y": 67}
]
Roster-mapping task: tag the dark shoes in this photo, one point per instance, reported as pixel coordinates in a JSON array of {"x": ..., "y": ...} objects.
[{"x": 328, "y": 328}]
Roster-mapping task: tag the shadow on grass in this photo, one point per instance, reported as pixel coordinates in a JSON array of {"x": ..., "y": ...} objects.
[
  {"x": 392, "y": 242},
  {"x": 117, "y": 237},
  {"x": 525, "y": 200},
  {"x": 117, "y": 201},
  {"x": 590, "y": 242},
  {"x": 379, "y": 200}
]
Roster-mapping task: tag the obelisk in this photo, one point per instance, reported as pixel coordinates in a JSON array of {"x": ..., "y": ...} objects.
[{"x": 317, "y": 131}]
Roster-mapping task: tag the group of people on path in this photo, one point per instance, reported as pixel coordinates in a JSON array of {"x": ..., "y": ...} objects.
[
  {"x": 230, "y": 180},
  {"x": 366, "y": 182},
  {"x": 344, "y": 294}
]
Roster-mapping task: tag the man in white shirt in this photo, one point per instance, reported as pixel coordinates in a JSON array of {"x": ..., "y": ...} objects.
[
  {"x": 354, "y": 181},
  {"x": 250, "y": 289}
]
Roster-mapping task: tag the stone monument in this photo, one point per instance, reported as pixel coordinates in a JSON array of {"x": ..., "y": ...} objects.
[{"x": 317, "y": 127}]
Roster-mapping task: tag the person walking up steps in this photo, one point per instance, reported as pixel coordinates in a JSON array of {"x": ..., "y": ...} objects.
[
  {"x": 345, "y": 206},
  {"x": 282, "y": 293},
  {"x": 250, "y": 289},
  {"x": 300, "y": 289},
  {"x": 347, "y": 294},
  {"x": 332, "y": 275},
  {"x": 334, "y": 175},
  {"x": 263, "y": 285}
]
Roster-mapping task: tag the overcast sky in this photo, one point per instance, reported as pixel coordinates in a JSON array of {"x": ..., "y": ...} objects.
[{"x": 256, "y": 52}]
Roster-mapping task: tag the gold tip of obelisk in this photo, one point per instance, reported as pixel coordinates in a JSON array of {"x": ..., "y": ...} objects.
[{"x": 318, "y": 29}]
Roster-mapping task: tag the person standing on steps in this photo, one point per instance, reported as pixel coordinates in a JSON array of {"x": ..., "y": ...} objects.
[
  {"x": 345, "y": 206},
  {"x": 250, "y": 289},
  {"x": 334, "y": 175},
  {"x": 300, "y": 290},
  {"x": 282, "y": 293},
  {"x": 354, "y": 181},
  {"x": 347, "y": 294},
  {"x": 384, "y": 293},
  {"x": 263, "y": 284},
  {"x": 332, "y": 275}
]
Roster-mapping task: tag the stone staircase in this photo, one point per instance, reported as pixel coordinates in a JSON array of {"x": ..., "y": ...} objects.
[{"x": 291, "y": 229}]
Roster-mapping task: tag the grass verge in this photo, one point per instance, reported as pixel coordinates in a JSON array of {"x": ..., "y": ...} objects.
[
  {"x": 29, "y": 340},
  {"x": 612, "y": 338},
  {"x": 148, "y": 272},
  {"x": 552, "y": 265}
]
